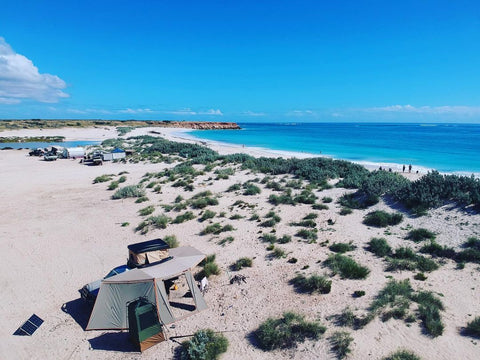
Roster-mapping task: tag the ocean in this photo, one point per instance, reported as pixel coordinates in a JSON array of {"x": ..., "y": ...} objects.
[
  {"x": 41, "y": 145},
  {"x": 448, "y": 148}
]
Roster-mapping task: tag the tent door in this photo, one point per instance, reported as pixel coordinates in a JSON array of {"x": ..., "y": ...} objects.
[{"x": 145, "y": 329}]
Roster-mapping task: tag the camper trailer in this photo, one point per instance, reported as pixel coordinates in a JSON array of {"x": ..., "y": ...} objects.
[
  {"x": 113, "y": 155},
  {"x": 77, "y": 152}
]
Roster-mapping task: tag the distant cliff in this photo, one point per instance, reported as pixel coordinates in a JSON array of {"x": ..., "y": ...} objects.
[
  {"x": 55, "y": 124},
  {"x": 201, "y": 125}
]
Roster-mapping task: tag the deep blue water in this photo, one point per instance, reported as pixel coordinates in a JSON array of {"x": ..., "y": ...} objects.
[
  {"x": 35, "y": 145},
  {"x": 444, "y": 147}
]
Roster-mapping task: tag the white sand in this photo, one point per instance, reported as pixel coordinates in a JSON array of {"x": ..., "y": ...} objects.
[{"x": 59, "y": 231}]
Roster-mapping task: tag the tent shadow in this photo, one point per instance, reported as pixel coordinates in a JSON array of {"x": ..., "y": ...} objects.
[
  {"x": 79, "y": 311},
  {"x": 116, "y": 341}
]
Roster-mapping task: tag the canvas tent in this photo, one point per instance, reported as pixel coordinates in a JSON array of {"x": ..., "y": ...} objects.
[{"x": 111, "y": 307}]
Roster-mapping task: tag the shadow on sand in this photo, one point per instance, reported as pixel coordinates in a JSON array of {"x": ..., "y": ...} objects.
[
  {"x": 116, "y": 341},
  {"x": 79, "y": 311}
]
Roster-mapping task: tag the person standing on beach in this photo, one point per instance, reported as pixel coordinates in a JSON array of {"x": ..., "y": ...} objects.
[
  {"x": 403, "y": 168},
  {"x": 410, "y": 168}
]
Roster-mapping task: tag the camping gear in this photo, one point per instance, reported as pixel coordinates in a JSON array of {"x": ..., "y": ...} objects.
[
  {"x": 114, "y": 155},
  {"x": 110, "y": 310},
  {"x": 29, "y": 326},
  {"x": 147, "y": 252},
  {"x": 143, "y": 325}
]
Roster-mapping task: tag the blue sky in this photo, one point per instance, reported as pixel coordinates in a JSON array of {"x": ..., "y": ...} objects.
[{"x": 241, "y": 60}]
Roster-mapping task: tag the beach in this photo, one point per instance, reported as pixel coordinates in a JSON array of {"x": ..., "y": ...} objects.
[{"x": 60, "y": 231}]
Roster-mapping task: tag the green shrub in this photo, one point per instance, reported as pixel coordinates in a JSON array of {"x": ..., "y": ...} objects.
[
  {"x": 241, "y": 263},
  {"x": 271, "y": 238},
  {"x": 342, "y": 247},
  {"x": 345, "y": 211},
  {"x": 210, "y": 267},
  {"x": 204, "y": 345},
  {"x": 234, "y": 187},
  {"x": 472, "y": 243},
  {"x": 171, "y": 240},
  {"x": 358, "y": 293},
  {"x": 122, "y": 179},
  {"x": 102, "y": 178},
  {"x": 216, "y": 229},
  {"x": 284, "y": 239},
  {"x": 402, "y": 355},
  {"x": 292, "y": 260},
  {"x": 310, "y": 235},
  {"x": 201, "y": 203},
  {"x": 311, "y": 284},
  {"x": 236, "y": 217},
  {"x": 346, "y": 267},
  {"x": 129, "y": 191},
  {"x": 473, "y": 328},
  {"x": 391, "y": 292},
  {"x": 186, "y": 216},
  {"x": 437, "y": 250},
  {"x": 286, "y": 332},
  {"x": 178, "y": 199},
  {"x": 151, "y": 184},
  {"x": 310, "y": 216},
  {"x": 306, "y": 197},
  {"x": 278, "y": 253},
  {"x": 160, "y": 222},
  {"x": 207, "y": 214},
  {"x": 282, "y": 199},
  {"x": 226, "y": 240},
  {"x": 319, "y": 207},
  {"x": 251, "y": 189},
  {"x": 254, "y": 217},
  {"x": 224, "y": 173},
  {"x": 420, "y": 234},
  {"x": 420, "y": 276},
  {"x": 124, "y": 224},
  {"x": 381, "y": 218},
  {"x": 113, "y": 185},
  {"x": 268, "y": 223},
  {"x": 327, "y": 199},
  {"x": 305, "y": 223},
  {"x": 141, "y": 199},
  {"x": 340, "y": 342},
  {"x": 147, "y": 210},
  {"x": 379, "y": 246}
]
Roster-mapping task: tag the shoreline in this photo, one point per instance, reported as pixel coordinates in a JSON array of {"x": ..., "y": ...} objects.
[{"x": 224, "y": 148}]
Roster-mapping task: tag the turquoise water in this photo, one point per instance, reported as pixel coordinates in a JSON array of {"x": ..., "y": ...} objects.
[
  {"x": 36, "y": 145},
  {"x": 444, "y": 147}
]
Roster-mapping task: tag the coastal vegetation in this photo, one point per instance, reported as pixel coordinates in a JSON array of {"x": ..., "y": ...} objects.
[
  {"x": 286, "y": 332},
  {"x": 204, "y": 345}
]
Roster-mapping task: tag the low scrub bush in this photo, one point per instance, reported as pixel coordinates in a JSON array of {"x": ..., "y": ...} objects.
[
  {"x": 437, "y": 250},
  {"x": 147, "y": 210},
  {"x": 241, "y": 263},
  {"x": 234, "y": 187},
  {"x": 310, "y": 216},
  {"x": 271, "y": 238},
  {"x": 340, "y": 342},
  {"x": 346, "y": 267},
  {"x": 379, "y": 246},
  {"x": 113, "y": 185},
  {"x": 171, "y": 240},
  {"x": 402, "y": 355},
  {"x": 281, "y": 199},
  {"x": 204, "y": 345},
  {"x": 286, "y": 332},
  {"x": 207, "y": 214},
  {"x": 381, "y": 218},
  {"x": 327, "y": 199},
  {"x": 141, "y": 199},
  {"x": 130, "y": 191},
  {"x": 473, "y": 328},
  {"x": 201, "y": 203},
  {"x": 345, "y": 211},
  {"x": 309, "y": 235},
  {"x": 420, "y": 234},
  {"x": 313, "y": 283},
  {"x": 210, "y": 267},
  {"x": 342, "y": 247},
  {"x": 102, "y": 178},
  {"x": 319, "y": 207},
  {"x": 186, "y": 216},
  {"x": 251, "y": 189},
  {"x": 160, "y": 222},
  {"x": 226, "y": 240},
  {"x": 305, "y": 223},
  {"x": 278, "y": 253},
  {"x": 284, "y": 239},
  {"x": 216, "y": 229}
]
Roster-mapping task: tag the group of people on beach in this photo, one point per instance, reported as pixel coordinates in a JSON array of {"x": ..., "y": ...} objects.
[{"x": 403, "y": 170}]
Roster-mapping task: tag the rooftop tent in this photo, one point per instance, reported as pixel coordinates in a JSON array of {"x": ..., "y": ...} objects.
[
  {"x": 118, "y": 150},
  {"x": 147, "y": 252},
  {"x": 111, "y": 307}
]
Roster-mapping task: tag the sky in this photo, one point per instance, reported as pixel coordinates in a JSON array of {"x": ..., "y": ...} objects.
[{"x": 335, "y": 61}]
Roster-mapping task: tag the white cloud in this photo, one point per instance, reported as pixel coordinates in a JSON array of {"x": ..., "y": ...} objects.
[
  {"x": 135, "y": 111},
  {"x": 435, "y": 110},
  {"x": 20, "y": 79},
  {"x": 301, "y": 113},
  {"x": 252, "y": 113},
  {"x": 211, "y": 112}
]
